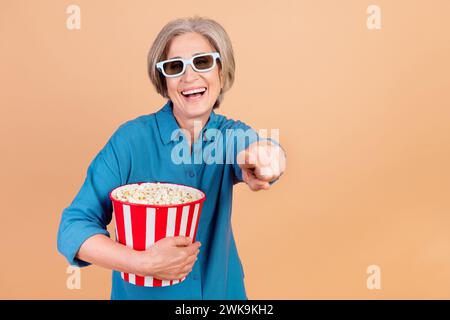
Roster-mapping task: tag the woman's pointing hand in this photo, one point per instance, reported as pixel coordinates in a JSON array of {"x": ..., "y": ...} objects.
[{"x": 261, "y": 163}]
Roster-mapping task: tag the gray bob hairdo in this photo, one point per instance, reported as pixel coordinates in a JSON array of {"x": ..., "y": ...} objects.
[{"x": 212, "y": 31}]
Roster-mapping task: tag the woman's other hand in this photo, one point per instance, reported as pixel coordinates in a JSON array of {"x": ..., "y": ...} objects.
[
  {"x": 262, "y": 162},
  {"x": 170, "y": 258}
]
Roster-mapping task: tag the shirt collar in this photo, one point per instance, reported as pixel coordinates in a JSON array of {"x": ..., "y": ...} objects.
[{"x": 168, "y": 124}]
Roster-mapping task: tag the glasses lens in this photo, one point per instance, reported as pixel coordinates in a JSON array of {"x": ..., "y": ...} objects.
[
  {"x": 173, "y": 67},
  {"x": 203, "y": 62}
]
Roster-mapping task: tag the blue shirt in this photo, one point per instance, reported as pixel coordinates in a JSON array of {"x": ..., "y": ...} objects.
[{"x": 142, "y": 150}]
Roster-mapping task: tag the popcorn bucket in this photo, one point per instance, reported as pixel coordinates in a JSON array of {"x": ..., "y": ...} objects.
[{"x": 139, "y": 226}]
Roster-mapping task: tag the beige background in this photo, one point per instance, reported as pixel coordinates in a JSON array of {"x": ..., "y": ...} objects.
[{"x": 364, "y": 116}]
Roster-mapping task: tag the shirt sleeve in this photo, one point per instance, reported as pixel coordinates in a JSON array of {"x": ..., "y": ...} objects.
[
  {"x": 91, "y": 210},
  {"x": 240, "y": 137}
]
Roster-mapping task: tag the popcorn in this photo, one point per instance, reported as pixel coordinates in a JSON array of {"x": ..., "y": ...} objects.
[
  {"x": 156, "y": 193},
  {"x": 160, "y": 210}
]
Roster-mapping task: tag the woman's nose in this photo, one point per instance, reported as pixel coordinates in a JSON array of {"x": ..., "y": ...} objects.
[{"x": 190, "y": 73}]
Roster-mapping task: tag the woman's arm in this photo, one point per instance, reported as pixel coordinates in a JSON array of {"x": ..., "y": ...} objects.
[
  {"x": 105, "y": 252},
  {"x": 168, "y": 259}
]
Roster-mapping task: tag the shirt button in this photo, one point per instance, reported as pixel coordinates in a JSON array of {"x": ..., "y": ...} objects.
[
  {"x": 195, "y": 277},
  {"x": 191, "y": 174}
]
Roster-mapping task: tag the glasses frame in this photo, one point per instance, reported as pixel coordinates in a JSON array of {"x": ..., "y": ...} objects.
[{"x": 186, "y": 62}]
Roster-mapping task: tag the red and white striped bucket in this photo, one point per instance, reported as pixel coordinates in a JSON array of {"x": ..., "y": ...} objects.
[{"x": 139, "y": 226}]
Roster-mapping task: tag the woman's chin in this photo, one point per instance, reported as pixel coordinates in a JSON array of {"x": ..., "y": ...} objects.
[
  {"x": 195, "y": 110},
  {"x": 199, "y": 113}
]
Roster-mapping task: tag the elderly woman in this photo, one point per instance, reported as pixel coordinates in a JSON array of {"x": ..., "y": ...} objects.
[{"x": 191, "y": 64}]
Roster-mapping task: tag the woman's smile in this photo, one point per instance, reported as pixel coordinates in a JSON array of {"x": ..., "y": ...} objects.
[{"x": 194, "y": 95}]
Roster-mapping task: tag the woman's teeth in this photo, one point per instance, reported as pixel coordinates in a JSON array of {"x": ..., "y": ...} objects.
[
  {"x": 193, "y": 94},
  {"x": 189, "y": 92}
]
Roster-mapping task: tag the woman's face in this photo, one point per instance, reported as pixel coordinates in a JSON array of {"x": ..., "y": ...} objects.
[{"x": 186, "y": 46}]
